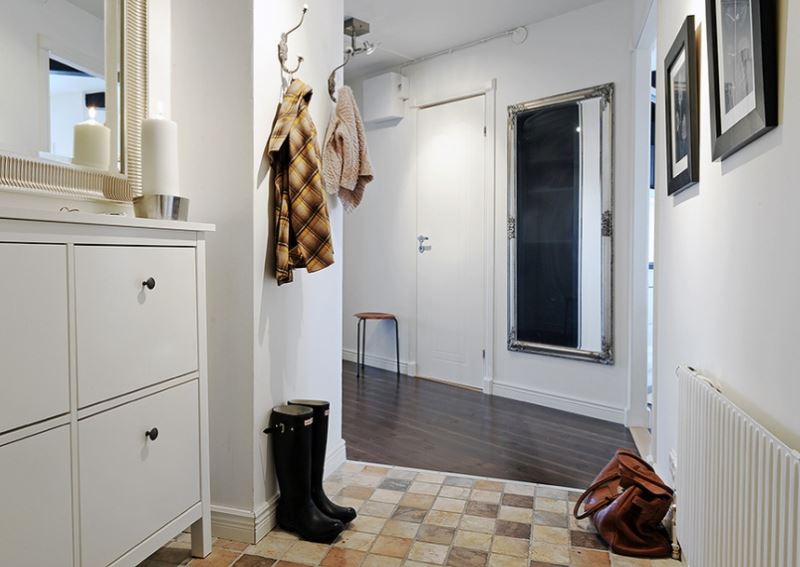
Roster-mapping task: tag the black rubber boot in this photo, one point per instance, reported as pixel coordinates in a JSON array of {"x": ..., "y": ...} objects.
[
  {"x": 291, "y": 428},
  {"x": 318, "y": 448}
]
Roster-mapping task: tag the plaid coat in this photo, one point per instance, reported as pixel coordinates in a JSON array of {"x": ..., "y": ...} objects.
[{"x": 303, "y": 235}]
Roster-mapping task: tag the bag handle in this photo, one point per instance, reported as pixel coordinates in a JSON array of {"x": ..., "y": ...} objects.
[{"x": 599, "y": 506}]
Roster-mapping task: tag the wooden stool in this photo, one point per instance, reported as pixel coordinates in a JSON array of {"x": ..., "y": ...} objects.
[{"x": 361, "y": 340}]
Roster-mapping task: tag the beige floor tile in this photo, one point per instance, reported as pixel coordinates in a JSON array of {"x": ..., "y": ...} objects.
[
  {"x": 400, "y": 529},
  {"x": 579, "y": 557},
  {"x": 512, "y": 514},
  {"x": 454, "y": 492},
  {"x": 357, "y": 492},
  {"x": 421, "y": 501},
  {"x": 477, "y": 524},
  {"x": 429, "y": 488},
  {"x": 332, "y": 488},
  {"x": 279, "y": 532},
  {"x": 381, "y": 561},
  {"x": 620, "y": 561},
  {"x": 488, "y": 496},
  {"x": 440, "y": 518},
  {"x": 551, "y": 492},
  {"x": 550, "y": 553},
  {"x": 473, "y": 540},
  {"x": 491, "y": 485},
  {"x": 460, "y": 557},
  {"x": 401, "y": 474},
  {"x": 549, "y": 534},
  {"x": 340, "y": 557},
  {"x": 350, "y": 539},
  {"x": 386, "y": 496},
  {"x": 585, "y": 524},
  {"x": 271, "y": 546},
  {"x": 391, "y": 546},
  {"x": 253, "y": 561},
  {"x": 377, "y": 509},
  {"x": 435, "y": 534},
  {"x": 550, "y": 505},
  {"x": 449, "y": 504},
  {"x": 517, "y": 500},
  {"x": 409, "y": 563},
  {"x": 351, "y": 468},
  {"x": 428, "y": 553},
  {"x": 497, "y": 560},
  {"x": 368, "y": 524},
  {"x": 375, "y": 470},
  {"x": 370, "y": 480},
  {"x": 511, "y": 546},
  {"x": 436, "y": 478},
  {"x": 521, "y": 489},
  {"x": 306, "y": 553}
]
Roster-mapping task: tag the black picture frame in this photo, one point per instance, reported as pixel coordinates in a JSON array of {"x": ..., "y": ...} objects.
[
  {"x": 682, "y": 111},
  {"x": 727, "y": 139}
]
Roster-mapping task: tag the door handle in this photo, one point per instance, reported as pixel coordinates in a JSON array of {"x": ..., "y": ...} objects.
[{"x": 422, "y": 247}]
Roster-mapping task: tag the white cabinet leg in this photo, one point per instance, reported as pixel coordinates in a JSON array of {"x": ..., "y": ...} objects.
[{"x": 201, "y": 537}]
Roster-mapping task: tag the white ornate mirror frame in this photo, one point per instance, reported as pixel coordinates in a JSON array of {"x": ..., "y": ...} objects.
[{"x": 37, "y": 176}]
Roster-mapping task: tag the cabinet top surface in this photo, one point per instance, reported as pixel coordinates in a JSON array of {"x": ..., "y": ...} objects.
[{"x": 7, "y": 213}]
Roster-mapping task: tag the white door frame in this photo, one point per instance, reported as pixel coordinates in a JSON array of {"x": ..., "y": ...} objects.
[{"x": 489, "y": 91}]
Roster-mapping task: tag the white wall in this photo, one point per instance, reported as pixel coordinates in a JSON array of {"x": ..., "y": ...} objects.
[
  {"x": 726, "y": 257},
  {"x": 266, "y": 344},
  {"x": 580, "y": 49},
  {"x": 78, "y": 36}
]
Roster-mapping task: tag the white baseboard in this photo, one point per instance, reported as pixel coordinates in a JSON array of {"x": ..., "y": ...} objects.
[
  {"x": 336, "y": 457},
  {"x": 251, "y": 527},
  {"x": 488, "y": 385},
  {"x": 556, "y": 401},
  {"x": 406, "y": 367}
]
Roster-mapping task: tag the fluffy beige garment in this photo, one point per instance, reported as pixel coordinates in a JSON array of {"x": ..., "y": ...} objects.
[{"x": 345, "y": 162}]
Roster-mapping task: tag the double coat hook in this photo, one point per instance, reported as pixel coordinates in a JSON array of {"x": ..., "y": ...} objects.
[{"x": 283, "y": 46}]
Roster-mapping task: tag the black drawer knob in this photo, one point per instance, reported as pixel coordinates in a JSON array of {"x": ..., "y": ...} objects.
[
  {"x": 152, "y": 434},
  {"x": 149, "y": 283}
]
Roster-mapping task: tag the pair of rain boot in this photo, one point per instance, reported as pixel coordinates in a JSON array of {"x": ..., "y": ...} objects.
[{"x": 300, "y": 436}]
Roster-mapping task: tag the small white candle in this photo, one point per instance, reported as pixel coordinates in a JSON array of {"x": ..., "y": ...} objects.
[
  {"x": 92, "y": 143},
  {"x": 160, "y": 156}
]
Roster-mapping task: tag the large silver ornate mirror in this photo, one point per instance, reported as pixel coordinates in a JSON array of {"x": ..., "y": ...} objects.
[
  {"x": 560, "y": 225},
  {"x": 73, "y": 97}
]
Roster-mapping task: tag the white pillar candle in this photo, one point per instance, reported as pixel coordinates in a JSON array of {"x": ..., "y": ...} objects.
[
  {"x": 160, "y": 157},
  {"x": 92, "y": 143}
]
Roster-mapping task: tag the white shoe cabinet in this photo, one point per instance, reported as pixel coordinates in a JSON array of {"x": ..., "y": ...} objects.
[{"x": 103, "y": 388}]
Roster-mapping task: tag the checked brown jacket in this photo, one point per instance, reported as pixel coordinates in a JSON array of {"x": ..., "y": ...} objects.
[{"x": 303, "y": 235}]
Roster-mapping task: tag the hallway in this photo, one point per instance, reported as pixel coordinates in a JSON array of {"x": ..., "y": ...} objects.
[{"x": 434, "y": 426}]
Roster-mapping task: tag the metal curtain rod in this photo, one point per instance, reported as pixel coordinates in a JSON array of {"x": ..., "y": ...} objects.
[
  {"x": 521, "y": 32},
  {"x": 283, "y": 46}
]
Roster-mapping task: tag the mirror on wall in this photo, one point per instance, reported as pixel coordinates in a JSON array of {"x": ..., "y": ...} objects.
[
  {"x": 60, "y": 60},
  {"x": 560, "y": 227}
]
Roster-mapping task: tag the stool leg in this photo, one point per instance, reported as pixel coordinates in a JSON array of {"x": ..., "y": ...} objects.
[
  {"x": 358, "y": 349},
  {"x": 364, "y": 347},
  {"x": 397, "y": 346}
]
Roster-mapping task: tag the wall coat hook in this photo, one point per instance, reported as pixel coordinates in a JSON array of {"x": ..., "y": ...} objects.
[{"x": 283, "y": 46}]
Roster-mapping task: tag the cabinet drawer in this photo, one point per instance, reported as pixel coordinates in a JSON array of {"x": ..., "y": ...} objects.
[
  {"x": 130, "y": 336},
  {"x": 34, "y": 333},
  {"x": 131, "y": 485},
  {"x": 36, "y": 497}
]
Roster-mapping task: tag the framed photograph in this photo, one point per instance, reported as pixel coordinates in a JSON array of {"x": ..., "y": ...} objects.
[
  {"x": 743, "y": 74},
  {"x": 682, "y": 105}
]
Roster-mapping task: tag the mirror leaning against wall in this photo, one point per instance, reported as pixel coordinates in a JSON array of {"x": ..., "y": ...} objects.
[
  {"x": 74, "y": 96},
  {"x": 560, "y": 227}
]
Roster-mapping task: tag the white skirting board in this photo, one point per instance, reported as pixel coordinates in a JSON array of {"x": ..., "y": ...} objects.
[
  {"x": 407, "y": 368},
  {"x": 556, "y": 401},
  {"x": 251, "y": 527}
]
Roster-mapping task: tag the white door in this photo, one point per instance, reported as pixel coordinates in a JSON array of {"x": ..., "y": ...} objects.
[{"x": 450, "y": 211}]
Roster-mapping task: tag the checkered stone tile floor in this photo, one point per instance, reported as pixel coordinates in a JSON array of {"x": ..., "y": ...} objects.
[{"x": 418, "y": 519}]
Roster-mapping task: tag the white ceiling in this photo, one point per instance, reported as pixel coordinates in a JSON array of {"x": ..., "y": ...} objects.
[
  {"x": 407, "y": 29},
  {"x": 94, "y": 7}
]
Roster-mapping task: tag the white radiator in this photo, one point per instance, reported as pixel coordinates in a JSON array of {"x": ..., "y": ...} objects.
[{"x": 738, "y": 486}]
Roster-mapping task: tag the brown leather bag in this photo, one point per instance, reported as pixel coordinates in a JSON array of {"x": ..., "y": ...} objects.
[{"x": 627, "y": 502}]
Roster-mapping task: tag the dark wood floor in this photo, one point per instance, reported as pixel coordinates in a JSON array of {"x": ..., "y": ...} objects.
[{"x": 429, "y": 425}]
